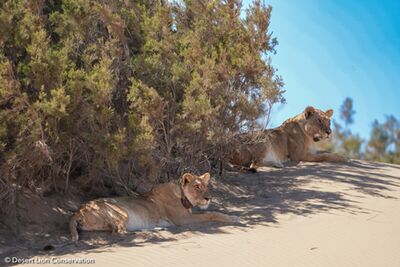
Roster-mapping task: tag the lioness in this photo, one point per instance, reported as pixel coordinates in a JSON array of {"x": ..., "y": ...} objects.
[
  {"x": 167, "y": 204},
  {"x": 292, "y": 141}
]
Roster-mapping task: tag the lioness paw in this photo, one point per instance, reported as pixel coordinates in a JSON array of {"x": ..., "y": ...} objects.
[
  {"x": 342, "y": 159},
  {"x": 278, "y": 165},
  {"x": 234, "y": 219},
  {"x": 74, "y": 238}
]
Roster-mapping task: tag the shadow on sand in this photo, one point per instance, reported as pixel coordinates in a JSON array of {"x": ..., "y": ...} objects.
[{"x": 257, "y": 198}]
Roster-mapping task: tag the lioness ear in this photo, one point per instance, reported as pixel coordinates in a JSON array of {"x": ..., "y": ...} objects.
[
  {"x": 329, "y": 112},
  {"x": 187, "y": 178},
  {"x": 309, "y": 111},
  {"x": 206, "y": 177}
]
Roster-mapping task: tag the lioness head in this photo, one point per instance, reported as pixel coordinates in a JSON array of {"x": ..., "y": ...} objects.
[
  {"x": 318, "y": 123},
  {"x": 195, "y": 189}
]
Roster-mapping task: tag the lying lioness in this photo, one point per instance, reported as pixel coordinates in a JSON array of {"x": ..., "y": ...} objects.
[
  {"x": 292, "y": 141},
  {"x": 167, "y": 204}
]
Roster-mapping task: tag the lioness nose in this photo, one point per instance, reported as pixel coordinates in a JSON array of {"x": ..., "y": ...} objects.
[
  {"x": 207, "y": 198},
  {"x": 328, "y": 131}
]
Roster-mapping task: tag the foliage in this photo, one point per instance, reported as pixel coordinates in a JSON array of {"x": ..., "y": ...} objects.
[
  {"x": 115, "y": 93},
  {"x": 347, "y": 112},
  {"x": 383, "y": 144},
  {"x": 346, "y": 142}
]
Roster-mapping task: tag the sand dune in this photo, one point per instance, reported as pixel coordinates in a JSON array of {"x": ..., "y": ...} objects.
[{"x": 307, "y": 215}]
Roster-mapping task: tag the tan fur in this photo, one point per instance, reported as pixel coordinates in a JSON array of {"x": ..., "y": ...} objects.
[
  {"x": 161, "y": 207},
  {"x": 292, "y": 141}
]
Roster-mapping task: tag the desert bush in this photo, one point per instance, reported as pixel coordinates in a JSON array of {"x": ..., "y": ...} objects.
[{"x": 116, "y": 93}]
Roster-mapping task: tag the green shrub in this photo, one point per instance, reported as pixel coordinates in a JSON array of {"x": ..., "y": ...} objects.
[{"x": 120, "y": 92}]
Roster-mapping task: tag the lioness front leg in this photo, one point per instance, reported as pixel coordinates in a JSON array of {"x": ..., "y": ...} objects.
[
  {"x": 240, "y": 168},
  {"x": 329, "y": 157},
  {"x": 209, "y": 217},
  {"x": 275, "y": 164}
]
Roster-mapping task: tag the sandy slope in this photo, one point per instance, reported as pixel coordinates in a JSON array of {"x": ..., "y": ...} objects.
[{"x": 307, "y": 215}]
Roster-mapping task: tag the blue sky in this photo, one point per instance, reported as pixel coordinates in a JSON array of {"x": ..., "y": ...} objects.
[{"x": 329, "y": 50}]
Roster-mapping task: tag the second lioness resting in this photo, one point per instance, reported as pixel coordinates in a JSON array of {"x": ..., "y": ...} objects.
[
  {"x": 292, "y": 141},
  {"x": 167, "y": 204}
]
